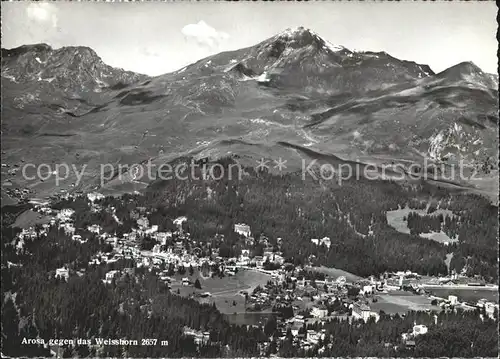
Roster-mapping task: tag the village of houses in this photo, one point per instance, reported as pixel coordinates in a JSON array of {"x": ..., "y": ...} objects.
[{"x": 311, "y": 300}]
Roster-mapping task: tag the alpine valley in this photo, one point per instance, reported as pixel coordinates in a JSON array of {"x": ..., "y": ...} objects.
[{"x": 293, "y": 96}]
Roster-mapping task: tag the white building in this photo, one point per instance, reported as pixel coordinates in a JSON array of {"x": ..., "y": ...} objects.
[
  {"x": 312, "y": 336},
  {"x": 68, "y": 228},
  {"x": 299, "y": 319},
  {"x": 179, "y": 221},
  {"x": 419, "y": 329},
  {"x": 341, "y": 280},
  {"x": 367, "y": 289},
  {"x": 95, "y": 228},
  {"x": 258, "y": 260},
  {"x": 143, "y": 223},
  {"x": 490, "y": 309},
  {"x": 375, "y": 315},
  {"x": 111, "y": 275},
  {"x": 242, "y": 229},
  {"x": 157, "y": 261},
  {"x": 165, "y": 277},
  {"x": 243, "y": 261},
  {"x": 65, "y": 215},
  {"x": 323, "y": 241},
  {"x": 153, "y": 229},
  {"x": 481, "y": 303},
  {"x": 319, "y": 312},
  {"x": 112, "y": 240},
  {"x": 162, "y": 237},
  {"x": 62, "y": 273},
  {"x": 77, "y": 237},
  {"x": 268, "y": 254},
  {"x": 278, "y": 259},
  {"x": 453, "y": 299},
  {"x": 361, "y": 311},
  {"x": 94, "y": 196},
  {"x": 326, "y": 242},
  {"x": 27, "y": 233}
]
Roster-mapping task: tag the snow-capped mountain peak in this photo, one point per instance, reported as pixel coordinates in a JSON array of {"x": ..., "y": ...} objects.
[{"x": 301, "y": 36}]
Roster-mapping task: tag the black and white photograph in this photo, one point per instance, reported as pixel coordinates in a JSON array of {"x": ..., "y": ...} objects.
[{"x": 221, "y": 179}]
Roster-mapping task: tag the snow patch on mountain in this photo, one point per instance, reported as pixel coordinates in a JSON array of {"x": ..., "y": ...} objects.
[
  {"x": 411, "y": 92},
  {"x": 264, "y": 78},
  {"x": 425, "y": 72},
  {"x": 10, "y": 77},
  {"x": 259, "y": 121},
  {"x": 247, "y": 78},
  {"x": 367, "y": 54},
  {"x": 294, "y": 33},
  {"x": 328, "y": 45}
]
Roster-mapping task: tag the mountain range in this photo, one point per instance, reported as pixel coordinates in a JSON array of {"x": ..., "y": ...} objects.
[{"x": 293, "y": 97}]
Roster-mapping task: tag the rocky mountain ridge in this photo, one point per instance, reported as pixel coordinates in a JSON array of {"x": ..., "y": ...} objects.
[
  {"x": 76, "y": 69},
  {"x": 293, "y": 96}
]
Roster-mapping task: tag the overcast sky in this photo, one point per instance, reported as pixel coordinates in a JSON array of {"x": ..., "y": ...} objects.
[{"x": 159, "y": 37}]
